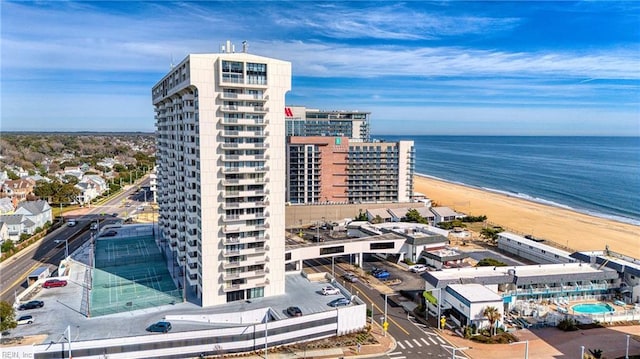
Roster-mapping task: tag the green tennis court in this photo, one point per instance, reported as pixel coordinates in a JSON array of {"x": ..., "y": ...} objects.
[{"x": 130, "y": 273}]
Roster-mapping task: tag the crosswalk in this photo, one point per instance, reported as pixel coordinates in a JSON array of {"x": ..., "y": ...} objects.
[{"x": 420, "y": 342}]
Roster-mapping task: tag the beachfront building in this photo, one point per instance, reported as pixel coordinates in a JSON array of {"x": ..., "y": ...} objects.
[
  {"x": 304, "y": 122},
  {"x": 540, "y": 282},
  {"x": 221, "y": 173},
  {"x": 335, "y": 170},
  {"x": 533, "y": 250},
  {"x": 444, "y": 214},
  {"x": 628, "y": 269}
]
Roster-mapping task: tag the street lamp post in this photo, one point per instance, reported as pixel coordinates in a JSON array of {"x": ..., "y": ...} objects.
[
  {"x": 384, "y": 325},
  {"x": 582, "y": 352},
  {"x": 68, "y": 333},
  {"x": 426, "y": 309},
  {"x": 626, "y": 353},
  {"x": 526, "y": 348},
  {"x": 66, "y": 246},
  {"x": 184, "y": 278}
]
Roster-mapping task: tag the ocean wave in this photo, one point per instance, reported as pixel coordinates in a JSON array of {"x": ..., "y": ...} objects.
[{"x": 538, "y": 200}]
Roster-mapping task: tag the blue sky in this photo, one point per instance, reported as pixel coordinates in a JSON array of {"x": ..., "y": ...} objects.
[{"x": 479, "y": 68}]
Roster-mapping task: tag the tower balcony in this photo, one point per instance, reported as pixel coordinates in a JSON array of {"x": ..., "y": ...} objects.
[
  {"x": 245, "y": 240},
  {"x": 245, "y": 251},
  {"x": 230, "y": 170},
  {"x": 235, "y": 194},
  {"x": 244, "y": 146},
  {"x": 242, "y": 96},
  {"x": 235, "y": 205},
  {"x": 244, "y": 121},
  {"x": 245, "y": 274},
  {"x": 244, "y": 134}
]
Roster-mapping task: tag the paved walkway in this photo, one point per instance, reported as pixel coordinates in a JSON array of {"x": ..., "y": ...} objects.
[
  {"x": 385, "y": 344},
  {"x": 553, "y": 343}
]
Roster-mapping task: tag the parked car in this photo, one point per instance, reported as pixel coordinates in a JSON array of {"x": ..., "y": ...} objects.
[
  {"x": 418, "y": 268},
  {"x": 159, "y": 327},
  {"x": 52, "y": 283},
  {"x": 31, "y": 305},
  {"x": 382, "y": 274},
  {"x": 71, "y": 223},
  {"x": 340, "y": 302},
  {"x": 350, "y": 277},
  {"x": 94, "y": 226},
  {"x": 294, "y": 312},
  {"x": 25, "y": 319},
  {"x": 329, "y": 290}
]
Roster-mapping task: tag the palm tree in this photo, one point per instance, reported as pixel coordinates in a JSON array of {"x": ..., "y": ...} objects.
[{"x": 493, "y": 315}]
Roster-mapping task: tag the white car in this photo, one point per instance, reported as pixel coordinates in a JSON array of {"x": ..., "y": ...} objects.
[
  {"x": 418, "y": 268},
  {"x": 25, "y": 319},
  {"x": 329, "y": 290}
]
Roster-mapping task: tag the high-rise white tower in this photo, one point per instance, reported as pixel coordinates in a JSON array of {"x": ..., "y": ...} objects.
[{"x": 221, "y": 173}]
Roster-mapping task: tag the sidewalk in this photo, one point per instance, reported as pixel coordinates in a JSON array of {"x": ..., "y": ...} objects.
[{"x": 386, "y": 344}]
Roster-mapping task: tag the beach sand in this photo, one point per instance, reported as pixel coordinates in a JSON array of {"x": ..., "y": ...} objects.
[{"x": 566, "y": 228}]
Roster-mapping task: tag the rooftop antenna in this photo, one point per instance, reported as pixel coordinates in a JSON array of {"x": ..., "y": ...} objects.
[
  {"x": 171, "y": 65},
  {"x": 245, "y": 46}
]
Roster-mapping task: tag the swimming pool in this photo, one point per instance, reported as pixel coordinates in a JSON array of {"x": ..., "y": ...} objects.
[{"x": 593, "y": 308}]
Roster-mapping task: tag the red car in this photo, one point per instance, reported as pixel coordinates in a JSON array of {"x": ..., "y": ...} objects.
[{"x": 52, "y": 283}]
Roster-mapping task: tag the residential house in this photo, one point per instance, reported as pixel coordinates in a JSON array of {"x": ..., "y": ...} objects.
[
  {"x": 16, "y": 225},
  {"x": 88, "y": 191},
  {"x": 6, "y": 206},
  {"x": 73, "y": 171},
  {"x": 99, "y": 182},
  {"x": 4, "y": 232},
  {"x": 18, "y": 190},
  {"x": 107, "y": 162},
  {"x": 39, "y": 212}
]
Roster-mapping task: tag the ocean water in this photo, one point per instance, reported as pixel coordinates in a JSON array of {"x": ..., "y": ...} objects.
[{"x": 595, "y": 175}]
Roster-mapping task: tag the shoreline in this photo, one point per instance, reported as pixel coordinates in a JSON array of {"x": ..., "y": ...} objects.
[
  {"x": 564, "y": 226},
  {"x": 542, "y": 201}
]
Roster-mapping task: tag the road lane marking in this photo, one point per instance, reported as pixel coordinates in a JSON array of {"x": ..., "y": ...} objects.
[
  {"x": 20, "y": 278},
  {"x": 401, "y": 346},
  {"x": 440, "y": 339},
  {"x": 408, "y": 343},
  {"x": 417, "y": 342},
  {"x": 381, "y": 311},
  {"x": 425, "y": 341},
  {"x": 434, "y": 342}
]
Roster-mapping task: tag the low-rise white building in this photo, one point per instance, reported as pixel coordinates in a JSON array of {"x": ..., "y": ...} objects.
[
  {"x": 469, "y": 301},
  {"x": 532, "y": 249}
]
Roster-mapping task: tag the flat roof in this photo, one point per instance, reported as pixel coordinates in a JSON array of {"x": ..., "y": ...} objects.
[
  {"x": 476, "y": 293},
  {"x": 538, "y": 273},
  {"x": 534, "y": 244}
]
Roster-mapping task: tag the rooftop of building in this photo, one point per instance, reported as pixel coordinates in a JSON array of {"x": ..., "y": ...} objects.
[
  {"x": 529, "y": 274},
  {"x": 476, "y": 293}
]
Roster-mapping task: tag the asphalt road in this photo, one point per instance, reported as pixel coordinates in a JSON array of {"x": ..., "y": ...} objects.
[
  {"x": 414, "y": 340},
  {"x": 50, "y": 250}
]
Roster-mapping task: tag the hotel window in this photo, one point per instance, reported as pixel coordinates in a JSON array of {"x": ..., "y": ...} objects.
[
  {"x": 232, "y": 71},
  {"x": 256, "y": 73}
]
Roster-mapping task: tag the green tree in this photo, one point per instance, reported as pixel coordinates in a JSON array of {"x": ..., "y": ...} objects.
[
  {"x": 491, "y": 233},
  {"x": 361, "y": 216},
  {"x": 414, "y": 216},
  {"x": 7, "y": 246},
  {"x": 493, "y": 316},
  {"x": 7, "y": 317},
  {"x": 490, "y": 262},
  {"x": 12, "y": 175}
]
